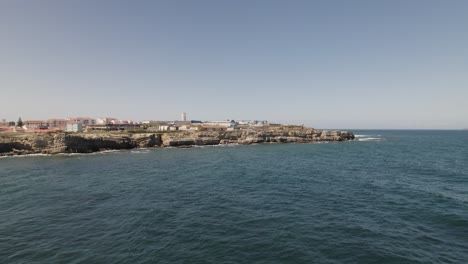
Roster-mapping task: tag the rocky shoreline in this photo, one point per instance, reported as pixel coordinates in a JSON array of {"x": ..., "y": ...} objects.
[{"x": 60, "y": 142}]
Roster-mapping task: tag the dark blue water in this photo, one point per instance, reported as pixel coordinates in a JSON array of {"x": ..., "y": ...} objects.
[{"x": 395, "y": 197}]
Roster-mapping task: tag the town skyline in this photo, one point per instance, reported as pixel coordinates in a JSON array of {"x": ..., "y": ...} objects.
[
  {"x": 91, "y": 124},
  {"x": 117, "y": 120},
  {"x": 182, "y": 117}
]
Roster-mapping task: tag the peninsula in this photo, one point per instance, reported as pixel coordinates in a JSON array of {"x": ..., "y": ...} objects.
[{"x": 88, "y": 142}]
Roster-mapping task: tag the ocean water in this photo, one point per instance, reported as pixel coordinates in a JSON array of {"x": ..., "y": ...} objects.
[{"x": 391, "y": 197}]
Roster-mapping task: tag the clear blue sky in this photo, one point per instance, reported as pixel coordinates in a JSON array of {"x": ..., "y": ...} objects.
[{"x": 326, "y": 64}]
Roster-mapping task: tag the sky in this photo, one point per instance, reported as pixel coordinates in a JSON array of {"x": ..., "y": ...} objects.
[{"x": 392, "y": 64}]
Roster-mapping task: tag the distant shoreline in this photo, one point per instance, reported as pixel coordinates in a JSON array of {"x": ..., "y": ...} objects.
[{"x": 60, "y": 142}]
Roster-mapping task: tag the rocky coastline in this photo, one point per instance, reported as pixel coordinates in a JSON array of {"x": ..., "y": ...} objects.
[{"x": 61, "y": 142}]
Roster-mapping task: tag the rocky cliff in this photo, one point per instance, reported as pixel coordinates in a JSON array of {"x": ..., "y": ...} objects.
[
  {"x": 280, "y": 134},
  {"x": 53, "y": 143}
]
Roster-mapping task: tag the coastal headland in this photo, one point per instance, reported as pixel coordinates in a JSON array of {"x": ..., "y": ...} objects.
[{"x": 62, "y": 142}]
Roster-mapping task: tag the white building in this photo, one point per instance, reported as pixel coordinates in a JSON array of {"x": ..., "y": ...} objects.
[
  {"x": 146, "y": 122},
  {"x": 189, "y": 127},
  {"x": 183, "y": 116},
  {"x": 74, "y": 127},
  {"x": 226, "y": 124},
  {"x": 83, "y": 120},
  {"x": 106, "y": 120},
  {"x": 167, "y": 128},
  {"x": 253, "y": 122},
  {"x": 123, "y": 122}
]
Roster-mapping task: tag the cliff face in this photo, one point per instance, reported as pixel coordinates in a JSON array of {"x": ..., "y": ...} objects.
[
  {"x": 53, "y": 143},
  {"x": 258, "y": 135}
]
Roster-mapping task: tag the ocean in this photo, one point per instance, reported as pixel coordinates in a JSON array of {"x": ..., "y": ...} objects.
[{"x": 391, "y": 197}]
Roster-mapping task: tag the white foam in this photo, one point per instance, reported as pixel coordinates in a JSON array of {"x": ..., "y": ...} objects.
[
  {"x": 139, "y": 152},
  {"x": 108, "y": 151},
  {"x": 361, "y": 136},
  {"x": 370, "y": 139},
  {"x": 26, "y": 155},
  {"x": 104, "y": 152},
  {"x": 226, "y": 145}
]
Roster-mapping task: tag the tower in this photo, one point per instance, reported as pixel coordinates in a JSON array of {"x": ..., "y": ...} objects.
[{"x": 184, "y": 116}]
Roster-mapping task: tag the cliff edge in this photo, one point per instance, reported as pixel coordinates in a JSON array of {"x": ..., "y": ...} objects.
[{"x": 54, "y": 143}]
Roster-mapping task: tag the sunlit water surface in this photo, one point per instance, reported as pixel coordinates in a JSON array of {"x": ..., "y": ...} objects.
[{"x": 391, "y": 197}]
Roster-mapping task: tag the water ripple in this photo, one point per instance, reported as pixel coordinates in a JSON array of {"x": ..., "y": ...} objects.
[{"x": 398, "y": 200}]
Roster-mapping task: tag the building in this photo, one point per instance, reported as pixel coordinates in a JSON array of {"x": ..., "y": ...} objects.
[
  {"x": 106, "y": 120},
  {"x": 183, "y": 116},
  {"x": 147, "y": 122},
  {"x": 167, "y": 128},
  {"x": 123, "y": 122},
  {"x": 34, "y": 124},
  {"x": 74, "y": 127},
  {"x": 86, "y": 121},
  {"x": 189, "y": 127},
  {"x": 253, "y": 122},
  {"x": 57, "y": 123},
  {"x": 226, "y": 124}
]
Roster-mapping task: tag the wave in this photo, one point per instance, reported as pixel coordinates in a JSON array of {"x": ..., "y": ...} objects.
[
  {"x": 103, "y": 152},
  {"x": 361, "y": 136},
  {"x": 26, "y": 155},
  {"x": 139, "y": 151},
  {"x": 370, "y": 139},
  {"x": 228, "y": 145}
]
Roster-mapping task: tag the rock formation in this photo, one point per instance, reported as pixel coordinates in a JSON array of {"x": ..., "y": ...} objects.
[
  {"x": 53, "y": 143},
  {"x": 280, "y": 134}
]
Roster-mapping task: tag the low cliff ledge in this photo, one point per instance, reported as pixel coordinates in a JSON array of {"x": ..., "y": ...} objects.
[{"x": 53, "y": 143}]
